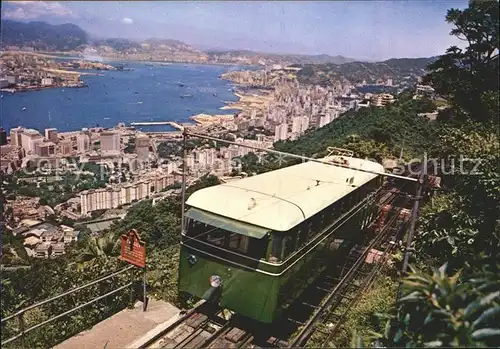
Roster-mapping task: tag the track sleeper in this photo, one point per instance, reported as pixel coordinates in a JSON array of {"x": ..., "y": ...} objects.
[
  {"x": 310, "y": 305},
  {"x": 296, "y": 322}
]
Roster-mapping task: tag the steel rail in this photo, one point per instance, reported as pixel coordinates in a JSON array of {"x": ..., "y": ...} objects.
[
  {"x": 366, "y": 285},
  {"x": 206, "y": 341},
  {"x": 172, "y": 326},
  {"x": 309, "y": 327},
  {"x": 300, "y": 157}
]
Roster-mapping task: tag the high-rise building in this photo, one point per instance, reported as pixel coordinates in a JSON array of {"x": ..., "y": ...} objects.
[
  {"x": 281, "y": 132},
  {"x": 51, "y": 134},
  {"x": 83, "y": 142},
  {"x": 142, "y": 146},
  {"x": 382, "y": 99},
  {"x": 15, "y": 136},
  {"x": 110, "y": 142},
  {"x": 45, "y": 149},
  {"x": 29, "y": 138},
  {"x": 65, "y": 147},
  {"x": 324, "y": 120},
  {"x": 3, "y": 136},
  {"x": 297, "y": 125},
  {"x": 305, "y": 123}
]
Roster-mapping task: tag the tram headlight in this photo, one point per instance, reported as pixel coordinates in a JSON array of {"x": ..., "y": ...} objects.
[
  {"x": 191, "y": 259},
  {"x": 215, "y": 281}
]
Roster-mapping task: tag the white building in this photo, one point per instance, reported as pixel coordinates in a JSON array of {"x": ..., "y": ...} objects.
[
  {"x": 29, "y": 138},
  {"x": 51, "y": 134},
  {"x": 324, "y": 120},
  {"x": 83, "y": 142},
  {"x": 142, "y": 147},
  {"x": 281, "y": 132},
  {"x": 47, "y": 82},
  {"x": 297, "y": 125},
  {"x": 15, "y": 136},
  {"x": 110, "y": 142}
]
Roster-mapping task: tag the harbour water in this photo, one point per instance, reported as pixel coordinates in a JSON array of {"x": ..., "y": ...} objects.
[{"x": 148, "y": 93}]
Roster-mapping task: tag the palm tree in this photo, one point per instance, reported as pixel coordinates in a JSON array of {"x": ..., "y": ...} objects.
[{"x": 100, "y": 248}]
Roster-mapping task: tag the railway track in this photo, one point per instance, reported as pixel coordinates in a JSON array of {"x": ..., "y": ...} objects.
[
  {"x": 325, "y": 302},
  {"x": 204, "y": 326}
]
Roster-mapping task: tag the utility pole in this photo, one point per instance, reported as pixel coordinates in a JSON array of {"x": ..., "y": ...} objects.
[
  {"x": 184, "y": 170},
  {"x": 401, "y": 153},
  {"x": 414, "y": 215}
]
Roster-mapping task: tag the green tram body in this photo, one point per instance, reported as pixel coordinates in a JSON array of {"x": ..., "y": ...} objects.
[{"x": 262, "y": 270}]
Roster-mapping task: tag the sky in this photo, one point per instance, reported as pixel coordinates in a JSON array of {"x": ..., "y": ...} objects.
[{"x": 369, "y": 30}]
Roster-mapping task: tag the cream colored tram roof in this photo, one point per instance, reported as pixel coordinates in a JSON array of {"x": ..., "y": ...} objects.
[{"x": 281, "y": 199}]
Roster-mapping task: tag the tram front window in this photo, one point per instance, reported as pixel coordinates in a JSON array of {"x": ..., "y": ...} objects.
[{"x": 227, "y": 240}]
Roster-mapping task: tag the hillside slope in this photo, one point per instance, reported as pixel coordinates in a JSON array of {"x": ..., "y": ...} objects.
[
  {"x": 404, "y": 71},
  {"x": 43, "y": 36},
  {"x": 277, "y": 57},
  {"x": 374, "y": 132}
]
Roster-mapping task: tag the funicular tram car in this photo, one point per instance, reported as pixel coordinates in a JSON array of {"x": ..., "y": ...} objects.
[{"x": 254, "y": 244}]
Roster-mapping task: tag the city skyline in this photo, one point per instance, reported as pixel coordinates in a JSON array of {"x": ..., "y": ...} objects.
[{"x": 365, "y": 30}]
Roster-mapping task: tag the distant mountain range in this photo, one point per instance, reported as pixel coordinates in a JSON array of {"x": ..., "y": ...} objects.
[
  {"x": 292, "y": 58},
  {"x": 401, "y": 72},
  {"x": 70, "y": 37},
  {"x": 43, "y": 36}
]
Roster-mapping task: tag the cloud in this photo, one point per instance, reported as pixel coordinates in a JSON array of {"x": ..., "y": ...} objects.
[
  {"x": 27, "y": 10},
  {"x": 127, "y": 20}
]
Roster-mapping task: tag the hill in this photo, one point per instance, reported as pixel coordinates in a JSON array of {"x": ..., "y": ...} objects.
[
  {"x": 315, "y": 68},
  {"x": 43, "y": 36},
  {"x": 150, "y": 49},
  {"x": 253, "y": 56},
  {"x": 402, "y": 71}
]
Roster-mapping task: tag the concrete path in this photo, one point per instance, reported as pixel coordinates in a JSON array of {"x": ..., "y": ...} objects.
[{"x": 124, "y": 328}]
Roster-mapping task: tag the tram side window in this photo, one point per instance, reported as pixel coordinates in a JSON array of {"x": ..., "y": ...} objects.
[
  {"x": 195, "y": 228},
  {"x": 216, "y": 237},
  {"x": 288, "y": 246},
  {"x": 346, "y": 203},
  {"x": 238, "y": 242},
  {"x": 304, "y": 231},
  {"x": 276, "y": 248}
]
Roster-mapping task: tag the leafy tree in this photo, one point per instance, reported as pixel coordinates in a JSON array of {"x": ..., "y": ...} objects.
[
  {"x": 469, "y": 77},
  {"x": 441, "y": 310},
  {"x": 462, "y": 226},
  {"x": 104, "y": 246},
  {"x": 130, "y": 147}
]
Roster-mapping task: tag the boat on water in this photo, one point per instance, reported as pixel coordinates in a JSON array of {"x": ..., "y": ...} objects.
[
  {"x": 139, "y": 102},
  {"x": 164, "y": 64},
  {"x": 186, "y": 96},
  {"x": 24, "y": 108},
  {"x": 181, "y": 84},
  {"x": 215, "y": 94}
]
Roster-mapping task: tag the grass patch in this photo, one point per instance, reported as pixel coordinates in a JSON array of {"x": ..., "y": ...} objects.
[{"x": 362, "y": 317}]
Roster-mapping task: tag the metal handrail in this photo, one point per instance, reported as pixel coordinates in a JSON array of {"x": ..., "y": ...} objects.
[
  {"x": 36, "y": 305},
  {"x": 19, "y": 314}
]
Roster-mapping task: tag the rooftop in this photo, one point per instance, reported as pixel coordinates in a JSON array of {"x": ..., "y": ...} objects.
[{"x": 281, "y": 199}]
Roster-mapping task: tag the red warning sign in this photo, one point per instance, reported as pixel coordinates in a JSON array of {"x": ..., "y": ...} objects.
[{"x": 133, "y": 250}]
